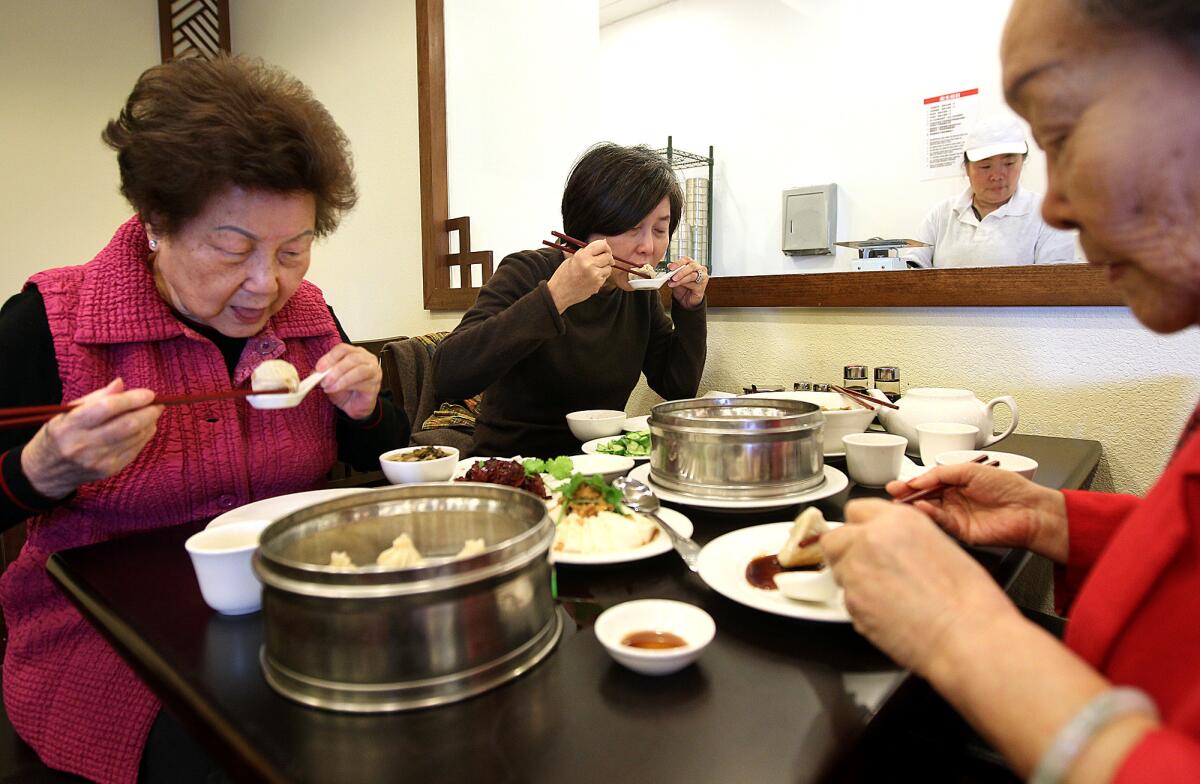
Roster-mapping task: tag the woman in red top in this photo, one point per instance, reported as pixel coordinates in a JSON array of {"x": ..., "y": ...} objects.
[{"x": 1111, "y": 89}]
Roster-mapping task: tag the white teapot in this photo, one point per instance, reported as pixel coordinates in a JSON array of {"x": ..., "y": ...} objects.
[{"x": 933, "y": 404}]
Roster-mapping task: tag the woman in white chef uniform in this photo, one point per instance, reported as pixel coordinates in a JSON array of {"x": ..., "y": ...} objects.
[{"x": 994, "y": 222}]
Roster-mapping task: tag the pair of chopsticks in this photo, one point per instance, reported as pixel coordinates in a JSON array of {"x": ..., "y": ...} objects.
[
  {"x": 571, "y": 245},
  {"x": 937, "y": 489},
  {"x": 22, "y": 416},
  {"x": 866, "y": 401}
]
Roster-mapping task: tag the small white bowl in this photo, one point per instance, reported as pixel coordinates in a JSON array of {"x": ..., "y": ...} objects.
[
  {"x": 817, "y": 585},
  {"x": 221, "y": 557},
  {"x": 1018, "y": 464},
  {"x": 608, "y": 466},
  {"x": 399, "y": 473},
  {"x": 595, "y": 423},
  {"x": 695, "y": 626}
]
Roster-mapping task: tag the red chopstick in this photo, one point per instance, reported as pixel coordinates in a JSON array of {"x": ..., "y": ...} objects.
[
  {"x": 846, "y": 393},
  {"x": 861, "y": 399},
  {"x": 33, "y": 415},
  {"x": 630, "y": 267},
  {"x": 922, "y": 495}
]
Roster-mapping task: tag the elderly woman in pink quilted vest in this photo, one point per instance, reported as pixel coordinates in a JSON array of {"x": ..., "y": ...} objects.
[{"x": 234, "y": 169}]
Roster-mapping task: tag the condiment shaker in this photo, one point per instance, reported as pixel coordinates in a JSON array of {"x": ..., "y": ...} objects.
[
  {"x": 855, "y": 377},
  {"x": 887, "y": 381}
]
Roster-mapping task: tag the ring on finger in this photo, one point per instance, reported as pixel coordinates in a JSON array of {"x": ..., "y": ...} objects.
[{"x": 700, "y": 275}]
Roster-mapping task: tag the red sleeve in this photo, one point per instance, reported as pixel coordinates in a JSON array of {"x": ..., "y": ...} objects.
[
  {"x": 1162, "y": 756},
  {"x": 1091, "y": 520}
]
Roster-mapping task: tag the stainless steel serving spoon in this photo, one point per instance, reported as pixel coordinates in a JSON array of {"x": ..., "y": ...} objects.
[{"x": 642, "y": 500}]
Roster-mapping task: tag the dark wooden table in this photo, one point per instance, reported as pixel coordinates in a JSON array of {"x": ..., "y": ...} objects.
[{"x": 771, "y": 700}]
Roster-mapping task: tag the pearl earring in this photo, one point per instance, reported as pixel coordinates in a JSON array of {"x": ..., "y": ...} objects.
[{"x": 153, "y": 244}]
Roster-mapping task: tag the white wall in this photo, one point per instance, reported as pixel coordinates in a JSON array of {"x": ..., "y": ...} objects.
[
  {"x": 1079, "y": 372},
  {"x": 359, "y": 59},
  {"x": 66, "y": 68},
  {"x": 802, "y": 93},
  {"x": 519, "y": 82}
]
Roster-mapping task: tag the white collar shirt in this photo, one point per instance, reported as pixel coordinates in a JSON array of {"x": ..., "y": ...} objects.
[{"x": 1013, "y": 234}]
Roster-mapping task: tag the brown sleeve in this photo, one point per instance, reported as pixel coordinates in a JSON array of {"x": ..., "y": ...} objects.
[
  {"x": 512, "y": 316},
  {"x": 675, "y": 356}
]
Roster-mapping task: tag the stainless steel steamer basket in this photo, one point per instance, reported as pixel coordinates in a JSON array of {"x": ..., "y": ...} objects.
[
  {"x": 736, "y": 448},
  {"x": 376, "y": 638}
]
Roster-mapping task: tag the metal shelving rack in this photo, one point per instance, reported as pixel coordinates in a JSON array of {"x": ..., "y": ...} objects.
[{"x": 681, "y": 159}]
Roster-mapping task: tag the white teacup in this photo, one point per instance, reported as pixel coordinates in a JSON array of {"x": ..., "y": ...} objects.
[
  {"x": 1018, "y": 464},
  {"x": 874, "y": 459},
  {"x": 933, "y": 438},
  {"x": 221, "y": 557}
]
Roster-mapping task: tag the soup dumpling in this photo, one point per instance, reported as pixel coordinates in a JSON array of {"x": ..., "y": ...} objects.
[
  {"x": 275, "y": 374},
  {"x": 801, "y": 547},
  {"x": 402, "y": 554}
]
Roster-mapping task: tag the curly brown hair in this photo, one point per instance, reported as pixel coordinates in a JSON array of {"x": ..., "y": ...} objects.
[{"x": 192, "y": 128}]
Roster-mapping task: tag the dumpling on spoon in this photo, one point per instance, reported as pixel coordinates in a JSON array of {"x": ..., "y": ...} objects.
[
  {"x": 275, "y": 374},
  {"x": 802, "y": 547}
]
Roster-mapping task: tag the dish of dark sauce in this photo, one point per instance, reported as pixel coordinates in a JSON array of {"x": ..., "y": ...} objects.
[
  {"x": 656, "y": 641},
  {"x": 762, "y": 570}
]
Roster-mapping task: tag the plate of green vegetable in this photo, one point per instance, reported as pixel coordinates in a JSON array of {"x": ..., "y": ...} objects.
[{"x": 635, "y": 445}]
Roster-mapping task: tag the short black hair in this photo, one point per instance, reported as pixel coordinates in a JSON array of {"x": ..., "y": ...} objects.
[{"x": 612, "y": 187}]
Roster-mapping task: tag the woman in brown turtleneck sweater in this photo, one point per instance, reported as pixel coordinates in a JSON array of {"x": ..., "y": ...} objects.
[{"x": 552, "y": 333}]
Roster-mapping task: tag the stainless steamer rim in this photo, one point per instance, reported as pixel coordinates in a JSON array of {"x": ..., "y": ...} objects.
[
  {"x": 724, "y": 493},
  {"x": 736, "y": 449},
  {"x": 412, "y": 695},
  {"x": 377, "y": 639}
]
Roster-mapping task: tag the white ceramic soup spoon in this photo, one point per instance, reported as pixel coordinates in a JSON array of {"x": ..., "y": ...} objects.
[{"x": 273, "y": 400}]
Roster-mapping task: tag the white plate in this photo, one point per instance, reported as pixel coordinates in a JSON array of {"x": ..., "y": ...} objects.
[
  {"x": 910, "y": 470},
  {"x": 601, "y": 463},
  {"x": 281, "y": 505},
  {"x": 722, "y": 565},
  {"x": 636, "y": 424},
  {"x": 656, "y": 546},
  {"x": 592, "y": 448},
  {"x": 835, "y": 482}
]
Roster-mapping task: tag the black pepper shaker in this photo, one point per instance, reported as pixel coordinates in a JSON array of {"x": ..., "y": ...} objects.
[{"x": 887, "y": 381}]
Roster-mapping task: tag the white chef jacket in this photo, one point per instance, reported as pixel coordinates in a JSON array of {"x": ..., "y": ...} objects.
[{"x": 1014, "y": 234}]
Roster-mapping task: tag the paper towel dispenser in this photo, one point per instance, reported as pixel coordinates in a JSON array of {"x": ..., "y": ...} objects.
[{"x": 810, "y": 220}]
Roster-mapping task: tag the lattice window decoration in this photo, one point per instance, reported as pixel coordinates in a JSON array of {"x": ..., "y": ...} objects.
[{"x": 193, "y": 28}]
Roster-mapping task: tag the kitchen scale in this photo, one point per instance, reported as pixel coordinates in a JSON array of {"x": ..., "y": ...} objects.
[{"x": 880, "y": 254}]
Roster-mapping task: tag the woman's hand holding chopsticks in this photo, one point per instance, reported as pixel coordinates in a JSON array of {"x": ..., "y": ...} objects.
[
  {"x": 101, "y": 435},
  {"x": 988, "y": 506},
  {"x": 581, "y": 275}
]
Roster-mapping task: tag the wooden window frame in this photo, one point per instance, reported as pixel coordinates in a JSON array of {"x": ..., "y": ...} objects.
[{"x": 1038, "y": 285}]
